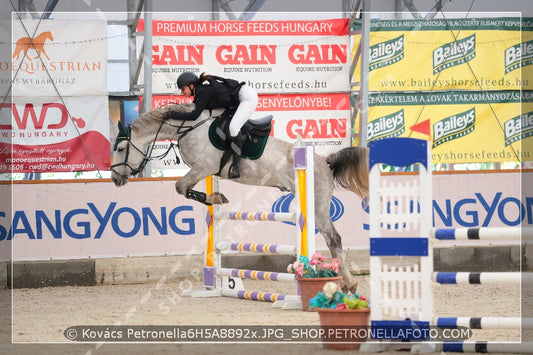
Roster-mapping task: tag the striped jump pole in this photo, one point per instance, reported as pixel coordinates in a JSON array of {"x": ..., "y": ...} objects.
[
  {"x": 484, "y": 322},
  {"x": 485, "y": 278},
  {"x": 500, "y": 233},
  {"x": 257, "y": 216},
  {"x": 260, "y": 296},
  {"x": 487, "y": 347},
  {"x": 258, "y": 248},
  {"x": 257, "y": 275}
]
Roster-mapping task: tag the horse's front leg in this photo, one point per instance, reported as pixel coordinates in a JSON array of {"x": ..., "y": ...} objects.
[
  {"x": 185, "y": 185},
  {"x": 334, "y": 243}
]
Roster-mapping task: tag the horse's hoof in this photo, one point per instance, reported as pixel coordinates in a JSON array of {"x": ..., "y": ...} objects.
[
  {"x": 352, "y": 288},
  {"x": 218, "y": 199}
]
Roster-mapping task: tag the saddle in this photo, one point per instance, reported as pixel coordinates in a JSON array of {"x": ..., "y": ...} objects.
[{"x": 256, "y": 134}]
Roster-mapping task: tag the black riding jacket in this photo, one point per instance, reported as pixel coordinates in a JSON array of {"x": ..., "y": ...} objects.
[{"x": 206, "y": 96}]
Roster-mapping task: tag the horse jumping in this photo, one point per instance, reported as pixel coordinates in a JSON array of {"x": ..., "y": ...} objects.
[{"x": 348, "y": 168}]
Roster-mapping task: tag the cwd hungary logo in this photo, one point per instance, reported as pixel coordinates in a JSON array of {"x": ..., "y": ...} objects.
[
  {"x": 518, "y": 128},
  {"x": 389, "y": 126},
  {"x": 454, "y": 53},
  {"x": 386, "y": 53},
  {"x": 454, "y": 127},
  {"x": 518, "y": 56}
]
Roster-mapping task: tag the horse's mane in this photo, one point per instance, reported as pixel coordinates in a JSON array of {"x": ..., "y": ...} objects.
[{"x": 155, "y": 116}]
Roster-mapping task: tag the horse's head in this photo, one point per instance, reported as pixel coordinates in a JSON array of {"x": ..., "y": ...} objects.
[
  {"x": 46, "y": 35},
  {"x": 131, "y": 153},
  {"x": 128, "y": 159}
]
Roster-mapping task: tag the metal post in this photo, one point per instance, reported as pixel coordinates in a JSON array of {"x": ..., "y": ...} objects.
[
  {"x": 363, "y": 95},
  {"x": 147, "y": 58},
  {"x": 147, "y": 100}
]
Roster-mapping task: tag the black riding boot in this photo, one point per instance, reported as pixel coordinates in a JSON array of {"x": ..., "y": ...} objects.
[{"x": 236, "y": 147}]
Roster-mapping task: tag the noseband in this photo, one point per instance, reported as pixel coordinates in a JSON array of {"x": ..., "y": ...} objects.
[{"x": 146, "y": 156}]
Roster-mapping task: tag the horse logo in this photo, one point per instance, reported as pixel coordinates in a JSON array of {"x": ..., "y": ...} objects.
[{"x": 37, "y": 44}]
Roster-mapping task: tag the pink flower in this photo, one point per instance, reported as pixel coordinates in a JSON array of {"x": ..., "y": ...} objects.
[
  {"x": 292, "y": 267},
  {"x": 317, "y": 258},
  {"x": 335, "y": 265},
  {"x": 299, "y": 271}
]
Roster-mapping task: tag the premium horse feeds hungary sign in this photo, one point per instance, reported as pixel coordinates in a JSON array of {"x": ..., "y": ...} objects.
[{"x": 302, "y": 56}]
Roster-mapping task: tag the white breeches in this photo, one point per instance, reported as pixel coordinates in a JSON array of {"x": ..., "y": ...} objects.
[{"x": 248, "y": 103}]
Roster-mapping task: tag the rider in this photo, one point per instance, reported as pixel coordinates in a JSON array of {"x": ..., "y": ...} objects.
[{"x": 210, "y": 93}]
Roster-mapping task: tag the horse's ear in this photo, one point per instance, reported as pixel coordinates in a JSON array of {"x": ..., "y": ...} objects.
[
  {"x": 122, "y": 131},
  {"x": 122, "y": 134}
]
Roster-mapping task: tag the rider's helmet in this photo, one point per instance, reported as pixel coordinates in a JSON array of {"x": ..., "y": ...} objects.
[{"x": 186, "y": 78}]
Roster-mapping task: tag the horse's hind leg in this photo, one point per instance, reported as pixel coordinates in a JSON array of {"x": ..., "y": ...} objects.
[{"x": 186, "y": 183}]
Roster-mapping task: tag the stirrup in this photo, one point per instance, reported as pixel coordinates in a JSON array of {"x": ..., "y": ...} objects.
[{"x": 233, "y": 172}]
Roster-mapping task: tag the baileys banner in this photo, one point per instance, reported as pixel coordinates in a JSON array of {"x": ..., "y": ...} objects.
[
  {"x": 464, "y": 126},
  {"x": 457, "y": 54}
]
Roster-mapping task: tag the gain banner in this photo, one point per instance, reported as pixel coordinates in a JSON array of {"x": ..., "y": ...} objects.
[
  {"x": 450, "y": 54},
  {"x": 465, "y": 127},
  {"x": 320, "y": 120},
  {"x": 271, "y": 56}
]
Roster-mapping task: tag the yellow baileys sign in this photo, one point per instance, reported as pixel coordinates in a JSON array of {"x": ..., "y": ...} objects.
[
  {"x": 454, "y": 127},
  {"x": 386, "y": 53},
  {"x": 454, "y": 53}
]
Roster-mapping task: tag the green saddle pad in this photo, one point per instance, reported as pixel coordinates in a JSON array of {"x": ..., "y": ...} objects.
[{"x": 252, "y": 148}]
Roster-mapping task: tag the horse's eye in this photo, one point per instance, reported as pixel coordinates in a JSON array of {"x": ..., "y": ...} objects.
[{"x": 120, "y": 150}]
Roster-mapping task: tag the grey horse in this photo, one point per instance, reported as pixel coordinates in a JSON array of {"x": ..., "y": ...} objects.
[{"x": 347, "y": 168}]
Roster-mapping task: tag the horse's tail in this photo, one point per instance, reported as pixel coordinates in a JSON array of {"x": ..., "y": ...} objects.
[{"x": 350, "y": 169}]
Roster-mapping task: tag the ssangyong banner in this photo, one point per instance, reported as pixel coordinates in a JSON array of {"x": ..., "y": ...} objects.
[
  {"x": 443, "y": 54},
  {"x": 463, "y": 127},
  {"x": 46, "y": 134},
  {"x": 148, "y": 217},
  {"x": 271, "y": 56},
  {"x": 59, "y": 58}
]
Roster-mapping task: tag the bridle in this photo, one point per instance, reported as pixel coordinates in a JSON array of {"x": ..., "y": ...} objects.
[{"x": 182, "y": 131}]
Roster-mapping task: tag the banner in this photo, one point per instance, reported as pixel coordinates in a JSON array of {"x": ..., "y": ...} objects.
[
  {"x": 46, "y": 134},
  {"x": 465, "y": 127},
  {"x": 59, "y": 118},
  {"x": 146, "y": 218},
  {"x": 443, "y": 54},
  {"x": 62, "y": 58},
  {"x": 320, "y": 120},
  {"x": 271, "y": 56}
]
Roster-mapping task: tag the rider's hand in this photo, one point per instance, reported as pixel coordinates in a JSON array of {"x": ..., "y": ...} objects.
[{"x": 171, "y": 115}]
